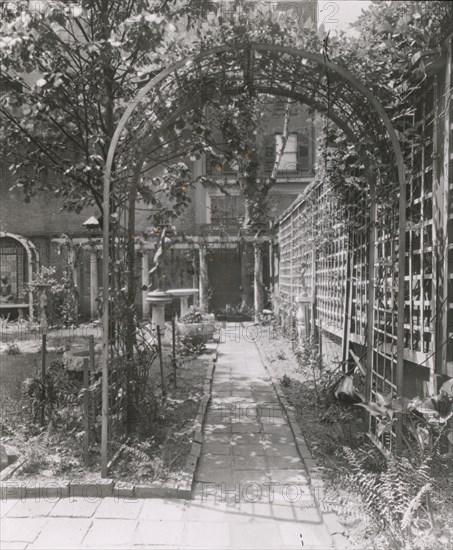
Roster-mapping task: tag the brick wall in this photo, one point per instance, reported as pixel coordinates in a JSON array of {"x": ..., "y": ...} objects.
[{"x": 42, "y": 216}]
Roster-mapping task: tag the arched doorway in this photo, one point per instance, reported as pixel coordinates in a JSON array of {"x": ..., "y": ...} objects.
[{"x": 18, "y": 262}]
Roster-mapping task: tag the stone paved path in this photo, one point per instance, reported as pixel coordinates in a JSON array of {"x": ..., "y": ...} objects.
[{"x": 251, "y": 489}]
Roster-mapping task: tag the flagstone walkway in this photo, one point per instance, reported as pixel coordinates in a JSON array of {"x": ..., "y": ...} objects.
[{"x": 251, "y": 489}]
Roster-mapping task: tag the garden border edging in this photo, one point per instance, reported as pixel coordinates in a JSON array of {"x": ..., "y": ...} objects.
[{"x": 23, "y": 489}]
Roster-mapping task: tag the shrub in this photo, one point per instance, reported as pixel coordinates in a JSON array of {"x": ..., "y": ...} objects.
[
  {"x": 12, "y": 349},
  {"x": 192, "y": 344},
  {"x": 57, "y": 393},
  {"x": 36, "y": 458},
  {"x": 194, "y": 315}
]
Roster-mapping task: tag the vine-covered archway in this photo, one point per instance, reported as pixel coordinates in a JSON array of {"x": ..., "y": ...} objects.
[{"x": 308, "y": 77}]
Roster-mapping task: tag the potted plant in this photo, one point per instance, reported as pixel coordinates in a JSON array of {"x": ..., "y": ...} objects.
[{"x": 195, "y": 323}]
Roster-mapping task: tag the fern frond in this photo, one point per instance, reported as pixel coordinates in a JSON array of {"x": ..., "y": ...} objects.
[{"x": 413, "y": 506}]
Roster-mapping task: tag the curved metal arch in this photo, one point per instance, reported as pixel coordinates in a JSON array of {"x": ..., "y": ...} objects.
[
  {"x": 345, "y": 76},
  {"x": 21, "y": 240},
  {"x": 341, "y": 72},
  {"x": 196, "y": 103}
]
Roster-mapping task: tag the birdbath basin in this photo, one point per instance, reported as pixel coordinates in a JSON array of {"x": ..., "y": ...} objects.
[
  {"x": 158, "y": 300},
  {"x": 183, "y": 295}
]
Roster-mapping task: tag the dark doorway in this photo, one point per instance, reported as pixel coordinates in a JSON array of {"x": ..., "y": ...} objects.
[{"x": 224, "y": 273}]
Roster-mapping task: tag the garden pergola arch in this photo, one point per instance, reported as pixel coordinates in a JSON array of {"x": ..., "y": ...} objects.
[{"x": 309, "y": 77}]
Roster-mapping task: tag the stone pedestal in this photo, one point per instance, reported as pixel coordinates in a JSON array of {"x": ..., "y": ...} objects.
[{"x": 158, "y": 300}]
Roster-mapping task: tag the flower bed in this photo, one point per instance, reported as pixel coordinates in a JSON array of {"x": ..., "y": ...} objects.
[{"x": 157, "y": 454}]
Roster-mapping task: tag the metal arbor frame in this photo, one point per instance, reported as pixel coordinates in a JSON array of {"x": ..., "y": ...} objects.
[{"x": 263, "y": 68}]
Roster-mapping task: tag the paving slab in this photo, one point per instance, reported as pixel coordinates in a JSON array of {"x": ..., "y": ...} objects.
[
  {"x": 76, "y": 507},
  {"x": 265, "y": 396},
  {"x": 22, "y": 529},
  {"x": 119, "y": 508},
  {"x": 212, "y": 510},
  {"x": 273, "y": 419},
  {"x": 218, "y": 428},
  {"x": 308, "y": 536},
  {"x": 218, "y": 417},
  {"x": 249, "y": 463},
  {"x": 206, "y": 535},
  {"x": 6, "y": 506},
  {"x": 245, "y": 428},
  {"x": 247, "y": 411},
  {"x": 159, "y": 533},
  {"x": 251, "y": 476},
  {"x": 256, "y": 536},
  {"x": 157, "y": 509},
  {"x": 214, "y": 475},
  {"x": 111, "y": 533},
  {"x": 217, "y": 438},
  {"x": 215, "y": 462},
  {"x": 247, "y": 450},
  {"x": 298, "y": 512},
  {"x": 222, "y": 377},
  {"x": 31, "y": 508},
  {"x": 282, "y": 430},
  {"x": 254, "y": 512},
  {"x": 289, "y": 477},
  {"x": 280, "y": 450},
  {"x": 238, "y": 440},
  {"x": 216, "y": 449},
  {"x": 244, "y": 392},
  {"x": 292, "y": 494},
  {"x": 279, "y": 439},
  {"x": 284, "y": 462},
  {"x": 219, "y": 394}
]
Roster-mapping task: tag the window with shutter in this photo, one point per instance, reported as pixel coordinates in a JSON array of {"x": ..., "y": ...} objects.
[{"x": 303, "y": 153}]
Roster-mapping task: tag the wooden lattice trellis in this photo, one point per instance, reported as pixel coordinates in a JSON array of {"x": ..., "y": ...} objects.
[{"x": 339, "y": 273}]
